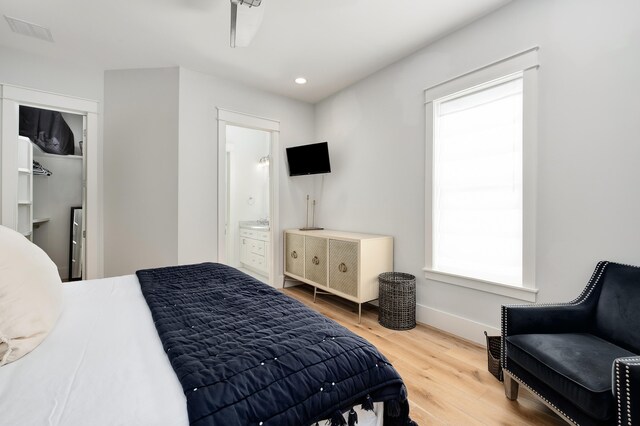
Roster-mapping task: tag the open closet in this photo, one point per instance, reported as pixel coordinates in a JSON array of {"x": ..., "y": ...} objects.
[
  {"x": 48, "y": 179},
  {"x": 50, "y": 194}
]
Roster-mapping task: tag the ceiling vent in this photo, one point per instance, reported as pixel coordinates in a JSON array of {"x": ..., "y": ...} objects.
[{"x": 28, "y": 29}]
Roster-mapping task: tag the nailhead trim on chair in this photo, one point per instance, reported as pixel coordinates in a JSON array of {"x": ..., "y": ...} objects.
[
  {"x": 584, "y": 295},
  {"x": 503, "y": 331},
  {"x": 631, "y": 361},
  {"x": 551, "y": 404},
  {"x": 628, "y": 396},
  {"x": 618, "y": 397}
]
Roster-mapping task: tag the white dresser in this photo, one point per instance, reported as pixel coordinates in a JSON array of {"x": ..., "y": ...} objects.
[{"x": 346, "y": 264}]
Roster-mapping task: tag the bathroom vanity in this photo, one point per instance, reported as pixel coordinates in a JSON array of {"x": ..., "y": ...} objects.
[{"x": 254, "y": 246}]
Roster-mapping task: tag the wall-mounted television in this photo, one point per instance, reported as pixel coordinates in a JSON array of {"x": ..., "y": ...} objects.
[{"x": 309, "y": 159}]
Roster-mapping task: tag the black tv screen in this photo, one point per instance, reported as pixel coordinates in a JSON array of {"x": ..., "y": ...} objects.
[{"x": 308, "y": 159}]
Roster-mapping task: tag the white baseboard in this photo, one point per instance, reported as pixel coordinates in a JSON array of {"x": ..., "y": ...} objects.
[
  {"x": 454, "y": 324},
  {"x": 463, "y": 327},
  {"x": 279, "y": 281}
]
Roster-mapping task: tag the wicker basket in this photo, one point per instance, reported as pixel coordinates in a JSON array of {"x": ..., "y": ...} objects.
[
  {"x": 397, "y": 300},
  {"x": 494, "y": 346}
]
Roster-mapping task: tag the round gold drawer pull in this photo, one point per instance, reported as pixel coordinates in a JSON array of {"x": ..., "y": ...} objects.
[
  {"x": 342, "y": 267},
  {"x": 294, "y": 254},
  {"x": 315, "y": 260}
]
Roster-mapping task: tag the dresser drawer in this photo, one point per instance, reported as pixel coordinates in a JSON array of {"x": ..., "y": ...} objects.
[
  {"x": 343, "y": 267},
  {"x": 247, "y": 233},
  {"x": 315, "y": 260},
  {"x": 256, "y": 247},
  {"x": 294, "y": 254},
  {"x": 252, "y": 233},
  {"x": 257, "y": 261},
  {"x": 262, "y": 235}
]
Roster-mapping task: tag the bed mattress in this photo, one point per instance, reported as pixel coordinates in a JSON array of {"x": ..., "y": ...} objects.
[
  {"x": 99, "y": 365},
  {"x": 102, "y": 364}
]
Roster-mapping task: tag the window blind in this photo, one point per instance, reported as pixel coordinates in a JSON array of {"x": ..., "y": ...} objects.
[{"x": 477, "y": 186}]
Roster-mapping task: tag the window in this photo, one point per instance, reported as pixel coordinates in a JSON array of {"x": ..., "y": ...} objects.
[
  {"x": 477, "y": 185},
  {"x": 480, "y": 136}
]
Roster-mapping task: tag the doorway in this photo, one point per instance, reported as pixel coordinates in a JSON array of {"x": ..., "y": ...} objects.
[
  {"x": 248, "y": 194},
  {"x": 37, "y": 199},
  {"x": 51, "y": 214},
  {"x": 248, "y": 222}
]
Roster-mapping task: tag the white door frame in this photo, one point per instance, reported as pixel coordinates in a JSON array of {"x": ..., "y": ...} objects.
[
  {"x": 12, "y": 97},
  {"x": 239, "y": 119}
]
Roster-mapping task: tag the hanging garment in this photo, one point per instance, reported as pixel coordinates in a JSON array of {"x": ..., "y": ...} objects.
[{"x": 47, "y": 129}]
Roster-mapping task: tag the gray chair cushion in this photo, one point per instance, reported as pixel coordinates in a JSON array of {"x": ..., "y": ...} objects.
[{"x": 577, "y": 366}]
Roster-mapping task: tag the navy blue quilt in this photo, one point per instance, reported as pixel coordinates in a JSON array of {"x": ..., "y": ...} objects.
[{"x": 247, "y": 354}]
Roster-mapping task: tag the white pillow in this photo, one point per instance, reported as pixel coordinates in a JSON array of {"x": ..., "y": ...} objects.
[{"x": 30, "y": 295}]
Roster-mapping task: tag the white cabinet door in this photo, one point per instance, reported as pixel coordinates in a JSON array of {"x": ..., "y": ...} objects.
[{"x": 244, "y": 250}]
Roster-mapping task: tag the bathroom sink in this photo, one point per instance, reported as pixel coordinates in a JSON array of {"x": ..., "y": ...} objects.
[{"x": 257, "y": 225}]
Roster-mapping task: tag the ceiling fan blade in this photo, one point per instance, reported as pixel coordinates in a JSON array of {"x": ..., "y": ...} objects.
[
  {"x": 250, "y": 3},
  {"x": 234, "y": 21},
  {"x": 245, "y": 22}
]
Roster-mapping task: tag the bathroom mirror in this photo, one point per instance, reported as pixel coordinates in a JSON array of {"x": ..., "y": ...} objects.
[{"x": 75, "y": 245}]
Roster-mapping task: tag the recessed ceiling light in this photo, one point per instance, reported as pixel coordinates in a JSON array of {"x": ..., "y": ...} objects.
[{"x": 301, "y": 80}]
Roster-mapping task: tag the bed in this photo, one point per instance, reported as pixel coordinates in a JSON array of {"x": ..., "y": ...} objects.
[{"x": 104, "y": 363}]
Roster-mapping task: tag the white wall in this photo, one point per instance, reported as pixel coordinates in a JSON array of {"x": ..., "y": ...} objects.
[
  {"x": 161, "y": 163},
  {"x": 37, "y": 72},
  {"x": 72, "y": 79},
  {"x": 53, "y": 197},
  {"x": 588, "y": 150},
  {"x": 140, "y": 169},
  {"x": 200, "y": 95}
]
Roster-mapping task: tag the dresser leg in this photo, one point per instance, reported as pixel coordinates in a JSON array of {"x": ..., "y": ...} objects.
[
  {"x": 315, "y": 290},
  {"x": 359, "y": 312}
]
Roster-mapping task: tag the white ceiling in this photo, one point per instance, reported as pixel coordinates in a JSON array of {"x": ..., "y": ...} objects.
[{"x": 333, "y": 43}]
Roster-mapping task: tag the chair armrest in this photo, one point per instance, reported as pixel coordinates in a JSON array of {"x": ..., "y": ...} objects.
[
  {"x": 545, "y": 319},
  {"x": 626, "y": 388},
  {"x": 573, "y": 317}
]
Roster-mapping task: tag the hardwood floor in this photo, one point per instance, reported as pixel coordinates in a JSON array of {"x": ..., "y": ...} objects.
[{"x": 447, "y": 377}]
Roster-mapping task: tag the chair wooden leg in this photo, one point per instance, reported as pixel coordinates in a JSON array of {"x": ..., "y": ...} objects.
[{"x": 511, "y": 387}]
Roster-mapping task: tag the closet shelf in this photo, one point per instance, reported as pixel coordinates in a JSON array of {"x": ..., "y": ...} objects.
[
  {"x": 46, "y": 154},
  {"x": 38, "y": 222},
  {"x": 24, "y": 203}
]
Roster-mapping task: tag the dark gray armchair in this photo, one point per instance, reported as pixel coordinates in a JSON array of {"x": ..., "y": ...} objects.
[{"x": 581, "y": 358}]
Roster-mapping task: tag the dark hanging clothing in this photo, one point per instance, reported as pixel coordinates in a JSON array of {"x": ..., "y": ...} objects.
[{"x": 47, "y": 129}]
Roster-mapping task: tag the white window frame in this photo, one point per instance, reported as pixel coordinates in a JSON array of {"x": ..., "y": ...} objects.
[{"x": 527, "y": 63}]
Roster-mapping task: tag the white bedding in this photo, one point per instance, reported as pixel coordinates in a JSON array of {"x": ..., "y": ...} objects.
[{"x": 102, "y": 365}]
